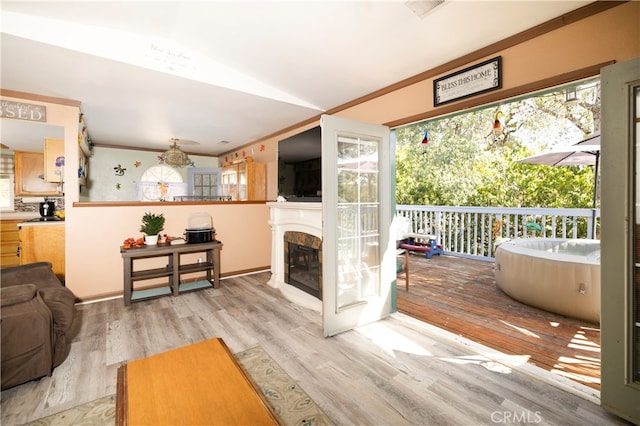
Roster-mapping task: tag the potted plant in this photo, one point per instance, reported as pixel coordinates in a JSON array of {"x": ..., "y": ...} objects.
[{"x": 152, "y": 224}]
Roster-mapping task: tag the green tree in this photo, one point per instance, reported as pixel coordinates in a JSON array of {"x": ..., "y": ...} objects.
[{"x": 466, "y": 164}]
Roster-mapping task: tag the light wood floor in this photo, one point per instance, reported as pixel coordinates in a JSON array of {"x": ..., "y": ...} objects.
[
  {"x": 460, "y": 295},
  {"x": 396, "y": 371}
]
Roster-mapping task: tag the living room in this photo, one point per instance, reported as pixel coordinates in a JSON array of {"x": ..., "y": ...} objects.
[{"x": 565, "y": 51}]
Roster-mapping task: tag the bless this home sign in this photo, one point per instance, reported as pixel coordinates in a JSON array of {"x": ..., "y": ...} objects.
[
  {"x": 22, "y": 111},
  {"x": 470, "y": 81}
]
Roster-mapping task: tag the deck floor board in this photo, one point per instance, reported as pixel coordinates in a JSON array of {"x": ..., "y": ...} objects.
[{"x": 460, "y": 295}]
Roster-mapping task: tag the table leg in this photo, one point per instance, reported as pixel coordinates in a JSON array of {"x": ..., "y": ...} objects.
[
  {"x": 174, "y": 260},
  {"x": 128, "y": 267},
  {"x": 216, "y": 267}
]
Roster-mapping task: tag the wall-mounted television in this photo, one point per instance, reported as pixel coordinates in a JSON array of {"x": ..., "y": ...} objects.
[{"x": 300, "y": 166}]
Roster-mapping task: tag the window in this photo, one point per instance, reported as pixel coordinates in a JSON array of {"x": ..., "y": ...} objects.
[
  {"x": 6, "y": 182},
  {"x": 6, "y": 192},
  {"x": 160, "y": 183},
  {"x": 204, "y": 183}
]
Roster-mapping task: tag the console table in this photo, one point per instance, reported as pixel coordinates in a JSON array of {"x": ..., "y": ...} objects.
[{"x": 174, "y": 268}]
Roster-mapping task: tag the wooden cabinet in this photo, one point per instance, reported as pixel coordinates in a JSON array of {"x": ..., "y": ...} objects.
[
  {"x": 41, "y": 242},
  {"x": 245, "y": 180},
  {"x": 53, "y": 160},
  {"x": 9, "y": 242},
  {"x": 29, "y": 177}
]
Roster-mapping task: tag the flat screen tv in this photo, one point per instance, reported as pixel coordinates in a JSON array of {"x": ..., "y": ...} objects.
[{"x": 300, "y": 166}]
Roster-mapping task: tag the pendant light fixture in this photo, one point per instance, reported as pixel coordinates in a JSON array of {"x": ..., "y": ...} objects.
[{"x": 175, "y": 157}]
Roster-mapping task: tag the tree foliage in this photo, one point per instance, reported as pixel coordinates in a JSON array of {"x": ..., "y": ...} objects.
[{"x": 466, "y": 164}]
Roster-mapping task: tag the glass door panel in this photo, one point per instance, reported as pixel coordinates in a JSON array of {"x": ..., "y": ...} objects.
[
  {"x": 620, "y": 243},
  {"x": 356, "y": 213}
]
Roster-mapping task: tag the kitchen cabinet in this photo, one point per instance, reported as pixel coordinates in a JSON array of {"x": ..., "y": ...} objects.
[
  {"x": 245, "y": 180},
  {"x": 9, "y": 242},
  {"x": 43, "y": 242},
  {"x": 53, "y": 159},
  {"x": 29, "y": 168}
]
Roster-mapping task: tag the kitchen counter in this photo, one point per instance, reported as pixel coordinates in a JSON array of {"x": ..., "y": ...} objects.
[
  {"x": 42, "y": 223},
  {"x": 18, "y": 215}
]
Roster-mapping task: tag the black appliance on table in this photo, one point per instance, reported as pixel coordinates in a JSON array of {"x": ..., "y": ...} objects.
[{"x": 200, "y": 229}]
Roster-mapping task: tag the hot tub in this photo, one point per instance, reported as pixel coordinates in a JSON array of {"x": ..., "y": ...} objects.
[{"x": 557, "y": 275}]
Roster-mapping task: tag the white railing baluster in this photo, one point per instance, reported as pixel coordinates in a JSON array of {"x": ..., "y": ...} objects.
[{"x": 468, "y": 231}]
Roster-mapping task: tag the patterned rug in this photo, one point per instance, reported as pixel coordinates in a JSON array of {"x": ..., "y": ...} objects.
[{"x": 289, "y": 401}]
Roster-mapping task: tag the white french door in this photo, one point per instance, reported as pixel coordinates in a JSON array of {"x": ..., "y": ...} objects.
[
  {"x": 620, "y": 245},
  {"x": 358, "y": 258}
]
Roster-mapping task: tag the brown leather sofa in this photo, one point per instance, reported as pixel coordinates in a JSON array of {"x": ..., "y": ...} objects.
[{"x": 36, "y": 312}]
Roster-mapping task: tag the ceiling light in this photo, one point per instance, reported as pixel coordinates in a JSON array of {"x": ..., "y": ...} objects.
[
  {"x": 422, "y": 7},
  {"x": 175, "y": 157}
]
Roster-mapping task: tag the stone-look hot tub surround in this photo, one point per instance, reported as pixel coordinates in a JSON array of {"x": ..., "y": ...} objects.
[{"x": 296, "y": 219}]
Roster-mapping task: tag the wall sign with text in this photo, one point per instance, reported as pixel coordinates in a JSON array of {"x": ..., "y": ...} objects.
[
  {"x": 23, "y": 111},
  {"x": 470, "y": 81}
]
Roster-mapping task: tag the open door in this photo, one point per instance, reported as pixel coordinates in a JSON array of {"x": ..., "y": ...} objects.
[
  {"x": 358, "y": 257},
  {"x": 620, "y": 260}
]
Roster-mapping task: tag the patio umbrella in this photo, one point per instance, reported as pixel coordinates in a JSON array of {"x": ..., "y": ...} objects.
[{"x": 585, "y": 152}]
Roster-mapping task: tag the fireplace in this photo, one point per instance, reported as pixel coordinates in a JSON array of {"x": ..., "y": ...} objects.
[
  {"x": 303, "y": 262},
  {"x": 301, "y": 225}
]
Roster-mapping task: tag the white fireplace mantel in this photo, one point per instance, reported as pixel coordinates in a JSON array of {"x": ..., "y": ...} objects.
[{"x": 292, "y": 216}]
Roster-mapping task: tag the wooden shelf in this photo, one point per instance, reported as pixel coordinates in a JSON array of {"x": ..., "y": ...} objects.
[
  {"x": 151, "y": 273},
  {"x": 150, "y": 293},
  {"x": 172, "y": 271},
  {"x": 195, "y": 267}
]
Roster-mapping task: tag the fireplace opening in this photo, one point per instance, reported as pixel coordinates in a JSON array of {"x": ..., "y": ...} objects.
[{"x": 303, "y": 262}]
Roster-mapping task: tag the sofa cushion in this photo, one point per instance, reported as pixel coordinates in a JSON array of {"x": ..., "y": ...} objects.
[
  {"x": 26, "y": 341},
  {"x": 17, "y": 294},
  {"x": 39, "y": 273}
]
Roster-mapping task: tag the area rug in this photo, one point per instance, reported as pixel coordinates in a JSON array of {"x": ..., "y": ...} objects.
[{"x": 290, "y": 402}]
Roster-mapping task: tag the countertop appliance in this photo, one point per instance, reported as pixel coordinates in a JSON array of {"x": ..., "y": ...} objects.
[
  {"x": 200, "y": 229},
  {"x": 47, "y": 208}
]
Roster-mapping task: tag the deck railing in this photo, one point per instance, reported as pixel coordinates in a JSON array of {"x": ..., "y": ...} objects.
[{"x": 473, "y": 231}]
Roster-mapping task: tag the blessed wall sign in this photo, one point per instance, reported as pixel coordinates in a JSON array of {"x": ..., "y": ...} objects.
[
  {"x": 22, "y": 111},
  {"x": 470, "y": 81}
]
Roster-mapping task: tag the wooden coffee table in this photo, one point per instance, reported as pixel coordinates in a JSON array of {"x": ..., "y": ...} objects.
[{"x": 196, "y": 384}]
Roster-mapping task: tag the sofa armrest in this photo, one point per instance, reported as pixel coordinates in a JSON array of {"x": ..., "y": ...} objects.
[
  {"x": 61, "y": 301},
  {"x": 17, "y": 294}
]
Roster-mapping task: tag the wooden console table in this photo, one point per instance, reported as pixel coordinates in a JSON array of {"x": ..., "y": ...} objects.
[{"x": 173, "y": 270}]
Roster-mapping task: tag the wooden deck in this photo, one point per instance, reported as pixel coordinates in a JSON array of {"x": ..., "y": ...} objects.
[{"x": 460, "y": 295}]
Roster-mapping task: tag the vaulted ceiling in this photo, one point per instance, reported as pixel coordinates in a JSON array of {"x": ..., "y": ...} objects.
[{"x": 226, "y": 73}]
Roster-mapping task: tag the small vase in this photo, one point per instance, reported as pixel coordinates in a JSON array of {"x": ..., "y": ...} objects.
[{"x": 151, "y": 240}]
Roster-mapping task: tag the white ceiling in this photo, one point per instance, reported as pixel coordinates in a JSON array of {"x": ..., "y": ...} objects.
[{"x": 235, "y": 71}]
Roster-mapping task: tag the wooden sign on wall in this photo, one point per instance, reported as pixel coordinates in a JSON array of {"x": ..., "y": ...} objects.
[
  {"x": 470, "y": 81},
  {"x": 23, "y": 111}
]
